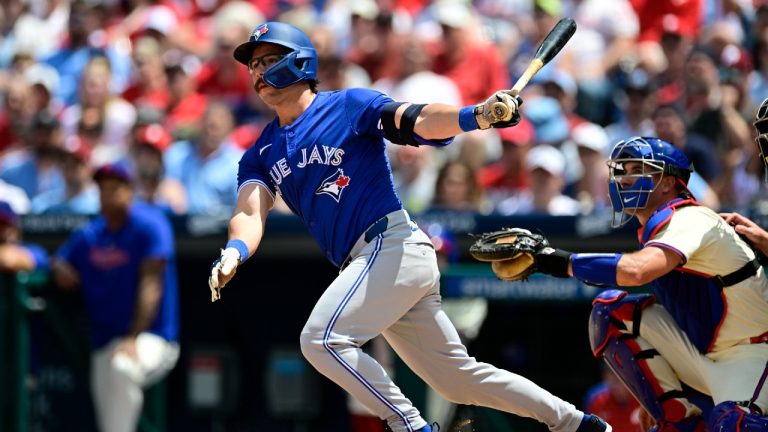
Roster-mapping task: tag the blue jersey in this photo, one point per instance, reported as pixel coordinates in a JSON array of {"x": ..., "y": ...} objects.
[
  {"x": 330, "y": 167},
  {"x": 109, "y": 266}
]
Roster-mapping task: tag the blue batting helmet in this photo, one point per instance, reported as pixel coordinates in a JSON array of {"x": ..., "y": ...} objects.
[
  {"x": 657, "y": 157},
  {"x": 298, "y": 65}
]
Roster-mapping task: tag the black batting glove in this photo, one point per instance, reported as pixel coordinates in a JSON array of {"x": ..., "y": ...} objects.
[{"x": 553, "y": 262}]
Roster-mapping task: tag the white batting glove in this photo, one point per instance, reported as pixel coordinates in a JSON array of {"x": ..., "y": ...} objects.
[
  {"x": 499, "y": 110},
  {"x": 222, "y": 271}
]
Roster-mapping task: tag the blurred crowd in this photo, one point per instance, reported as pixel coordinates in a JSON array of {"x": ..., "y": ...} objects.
[{"x": 152, "y": 84}]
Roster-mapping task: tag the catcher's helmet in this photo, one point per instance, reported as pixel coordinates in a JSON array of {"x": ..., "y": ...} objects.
[
  {"x": 761, "y": 126},
  {"x": 657, "y": 157},
  {"x": 298, "y": 65}
]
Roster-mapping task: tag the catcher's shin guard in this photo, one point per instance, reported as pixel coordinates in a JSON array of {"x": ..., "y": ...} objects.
[
  {"x": 729, "y": 416},
  {"x": 631, "y": 358}
]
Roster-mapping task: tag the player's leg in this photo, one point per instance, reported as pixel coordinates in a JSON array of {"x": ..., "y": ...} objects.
[
  {"x": 387, "y": 277},
  {"x": 738, "y": 377},
  {"x": 429, "y": 344},
  {"x": 117, "y": 397},
  {"x": 650, "y": 361}
]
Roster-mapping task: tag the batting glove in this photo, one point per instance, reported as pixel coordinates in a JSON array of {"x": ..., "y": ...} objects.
[
  {"x": 498, "y": 111},
  {"x": 222, "y": 271}
]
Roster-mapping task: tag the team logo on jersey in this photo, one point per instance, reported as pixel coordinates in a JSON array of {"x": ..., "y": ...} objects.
[
  {"x": 334, "y": 185},
  {"x": 260, "y": 30}
]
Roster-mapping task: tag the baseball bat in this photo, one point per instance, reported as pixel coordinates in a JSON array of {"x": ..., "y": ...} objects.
[{"x": 551, "y": 45}]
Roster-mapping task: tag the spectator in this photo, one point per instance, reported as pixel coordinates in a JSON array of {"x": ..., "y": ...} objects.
[
  {"x": 44, "y": 81},
  {"x": 474, "y": 65},
  {"x": 560, "y": 85},
  {"x": 16, "y": 114},
  {"x": 221, "y": 76},
  {"x": 187, "y": 105},
  {"x": 375, "y": 46},
  {"x": 456, "y": 189},
  {"x": 101, "y": 118},
  {"x": 124, "y": 262},
  {"x": 670, "y": 125},
  {"x": 414, "y": 172},
  {"x": 149, "y": 87},
  {"x": 15, "y": 255},
  {"x": 546, "y": 166},
  {"x": 86, "y": 17},
  {"x": 80, "y": 195},
  {"x": 15, "y": 197},
  {"x": 207, "y": 165},
  {"x": 592, "y": 188},
  {"x": 606, "y": 37},
  {"x": 334, "y": 72},
  {"x": 34, "y": 167},
  {"x": 637, "y": 104},
  {"x": 149, "y": 144},
  {"x": 504, "y": 180}
]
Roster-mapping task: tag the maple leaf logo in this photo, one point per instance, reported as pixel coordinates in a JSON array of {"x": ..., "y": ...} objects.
[{"x": 342, "y": 181}]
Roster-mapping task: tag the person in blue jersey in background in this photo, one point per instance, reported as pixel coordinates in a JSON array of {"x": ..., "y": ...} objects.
[
  {"x": 324, "y": 154},
  {"x": 15, "y": 255},
  {"x": 124, "y": 262}
]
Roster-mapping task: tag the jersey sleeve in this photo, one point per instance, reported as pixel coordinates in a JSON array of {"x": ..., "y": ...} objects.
[
  {"x": 690, "y": 230},
  {"x": 39, "y": 255},
  {"x": 251, "y": 168},
  {"x": 159, "y": 237},
  {"x": 364, "y": 108},
  {"x": 74, "y": 250}
]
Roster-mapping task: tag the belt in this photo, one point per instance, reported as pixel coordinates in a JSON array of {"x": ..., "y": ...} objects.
[{"x": 377, "y": 228}]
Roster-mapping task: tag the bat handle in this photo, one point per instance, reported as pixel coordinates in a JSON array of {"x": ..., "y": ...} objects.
[{"x": 500, "y": 110}]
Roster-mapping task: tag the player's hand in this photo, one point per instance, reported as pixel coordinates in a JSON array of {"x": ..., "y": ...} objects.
[
  {"x": 222, "y": 271},
  {"x": 500, "y": 110},
  {"x": 749, "y": 229}
]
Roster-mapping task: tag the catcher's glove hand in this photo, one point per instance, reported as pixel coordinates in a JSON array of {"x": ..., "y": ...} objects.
[
  {"x": 516, "y": 253},
  {"x": 511, "y": 252}
]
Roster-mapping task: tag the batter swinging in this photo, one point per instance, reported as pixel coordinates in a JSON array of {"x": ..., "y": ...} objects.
[{"x": 325, "y": 155}]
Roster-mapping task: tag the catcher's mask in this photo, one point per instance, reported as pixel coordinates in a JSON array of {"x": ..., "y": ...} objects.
[
  {"x": 300, "y": 64},
  {"x": 761, "y": 126},
  {"x": 633, "y": 165}
]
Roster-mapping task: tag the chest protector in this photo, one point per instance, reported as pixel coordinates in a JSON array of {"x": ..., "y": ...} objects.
[{"x": 695, "y": 301}]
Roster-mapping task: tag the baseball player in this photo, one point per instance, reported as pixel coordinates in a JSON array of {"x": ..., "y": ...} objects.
[
  {"x": 325, "y": 155},
  {"x": 705, "y": 329},
  {"x": 124, "y": 261}
]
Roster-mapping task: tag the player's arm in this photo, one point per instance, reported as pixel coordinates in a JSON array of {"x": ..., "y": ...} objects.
[
  {"x": 436, "y": 121},
  {"x": 246, "y": 228},
  {"x": 15, "y": 258},
  {"x": 609, "y": 269},
  {"x": 149, "y": 294},
  {"x": 64, "y": 274}
]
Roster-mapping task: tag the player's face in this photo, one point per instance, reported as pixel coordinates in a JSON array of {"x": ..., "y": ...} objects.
[
  {"x": 264, "y": 56},
  {"x": 8, "y": 233},
  {"x": 115, "y": 195}
]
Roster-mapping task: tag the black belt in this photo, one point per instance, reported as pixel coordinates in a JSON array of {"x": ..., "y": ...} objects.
[
  {"x": 748, "y": 270},
  {"x": 377, "y": 228}
]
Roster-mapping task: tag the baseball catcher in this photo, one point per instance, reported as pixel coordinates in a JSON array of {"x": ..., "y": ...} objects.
[{"x": 695, "y": 352}]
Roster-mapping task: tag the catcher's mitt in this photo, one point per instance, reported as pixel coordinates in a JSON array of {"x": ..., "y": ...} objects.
[{"x": 511, "y": 252}]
